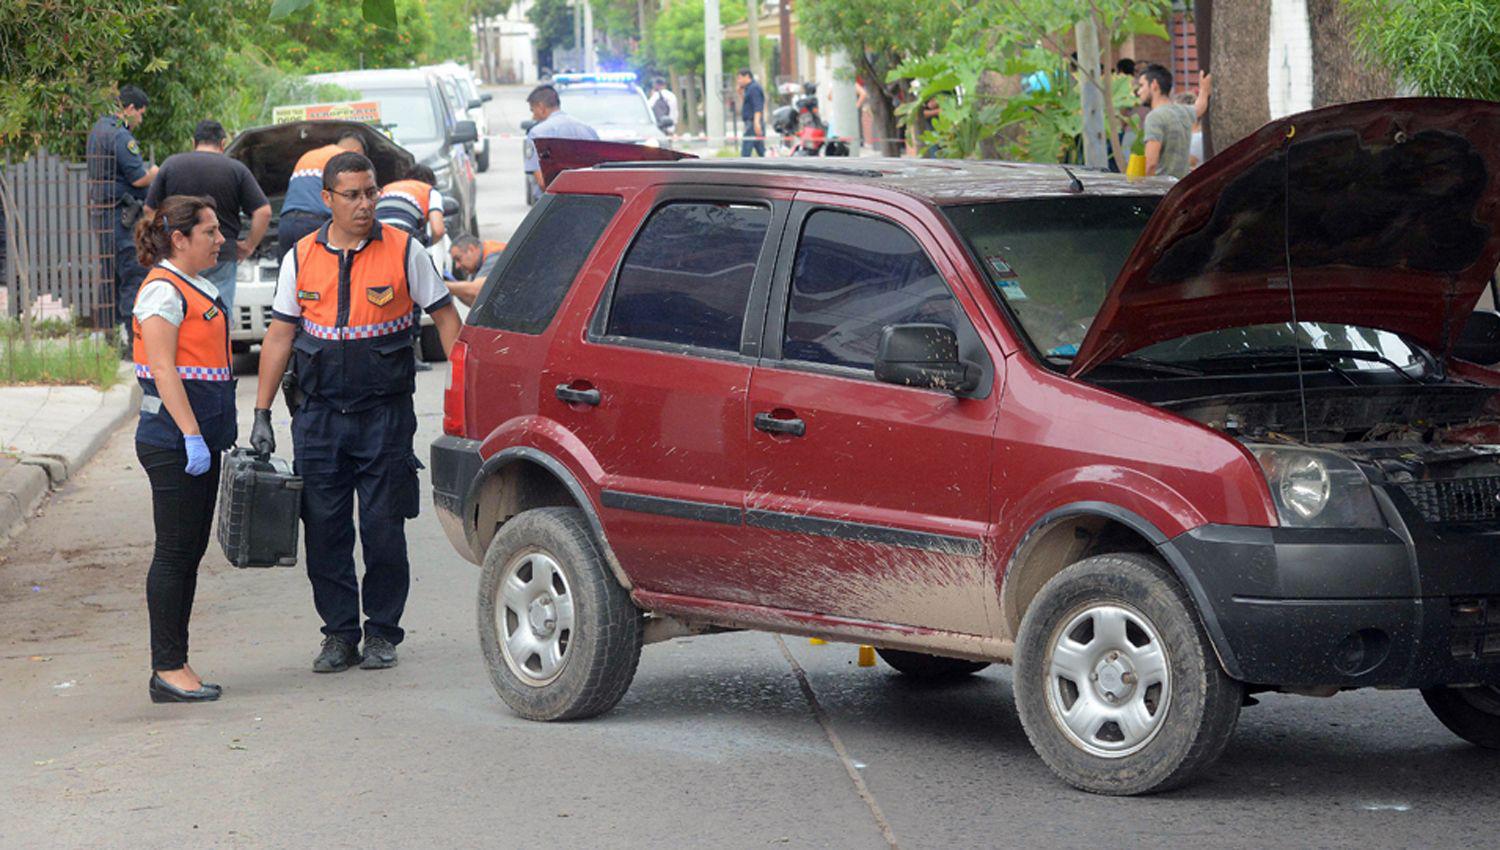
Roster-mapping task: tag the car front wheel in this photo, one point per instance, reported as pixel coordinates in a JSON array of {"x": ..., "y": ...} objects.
[
  {"x": 1470, "y": 713},
  {"x": 1116, "y": 684},
  {"x": 561, "y": 637}
]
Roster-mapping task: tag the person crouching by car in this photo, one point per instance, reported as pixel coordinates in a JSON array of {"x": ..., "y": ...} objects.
[
  {"x": 473, "y": 259},
  {"x": 181, "y": 347},
  {"x": 413, "y": 205}
]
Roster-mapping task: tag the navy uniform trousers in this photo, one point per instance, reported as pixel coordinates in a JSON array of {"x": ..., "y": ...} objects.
[{"x": 367, "y": 453}]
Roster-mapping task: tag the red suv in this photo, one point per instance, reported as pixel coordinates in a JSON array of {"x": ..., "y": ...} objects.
[{"x": 1161, "y": 445}]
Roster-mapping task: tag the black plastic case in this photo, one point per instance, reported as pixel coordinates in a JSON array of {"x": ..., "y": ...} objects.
[{"x": 260, "y": 502}]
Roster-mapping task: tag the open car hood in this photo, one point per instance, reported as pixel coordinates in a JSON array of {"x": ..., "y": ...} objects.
[
  {"x": 554, "y": 156},
  {"x": 1394, "y": 214},
  {"x": 271, "y": 152}
]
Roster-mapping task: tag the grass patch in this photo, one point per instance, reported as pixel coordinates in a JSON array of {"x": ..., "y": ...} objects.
[{"x": 58, "y": 354}]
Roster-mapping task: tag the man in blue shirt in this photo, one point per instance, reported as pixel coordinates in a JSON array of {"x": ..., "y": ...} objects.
[
  {"x": 118, "y": 179},
  {"x": 551, "y": 123},
  {"x": 752, "y": 107}
]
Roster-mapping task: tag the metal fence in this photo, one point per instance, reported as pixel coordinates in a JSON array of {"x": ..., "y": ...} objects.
[{"x": 58, "y": 241}]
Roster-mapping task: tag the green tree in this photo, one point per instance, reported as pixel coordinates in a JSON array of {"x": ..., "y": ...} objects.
[
  {"x": 1443, "y": 48},
  {"x": 180, "y": 62},
  {"x": 879, "y": 35},
  {"x": 553, "y": 20},
  {"x": 332, "y": 35}
]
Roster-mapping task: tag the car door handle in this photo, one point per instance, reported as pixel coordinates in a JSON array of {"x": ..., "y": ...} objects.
[
  {"x": 772, "y": 425},
  {"x": 578, "y": 395}
]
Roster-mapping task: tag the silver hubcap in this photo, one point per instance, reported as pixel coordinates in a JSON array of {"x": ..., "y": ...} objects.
[
  {"x": 1108, "y": 681},
  {"x": 535, "y": 618}
]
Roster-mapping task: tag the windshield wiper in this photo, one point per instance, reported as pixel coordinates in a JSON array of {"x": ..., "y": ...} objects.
[
  {"x": 1328, "y": 356},
  {"x": 1147, "y": 364}
]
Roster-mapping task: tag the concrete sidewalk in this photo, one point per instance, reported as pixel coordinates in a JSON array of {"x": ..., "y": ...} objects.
[{"x": 47, "y": 434}]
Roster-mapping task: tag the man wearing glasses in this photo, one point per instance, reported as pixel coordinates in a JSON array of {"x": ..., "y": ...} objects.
[{"x": 344, "y": 315}]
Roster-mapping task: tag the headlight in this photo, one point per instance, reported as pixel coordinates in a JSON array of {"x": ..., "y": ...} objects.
[{"x": 1317, "y": 489}]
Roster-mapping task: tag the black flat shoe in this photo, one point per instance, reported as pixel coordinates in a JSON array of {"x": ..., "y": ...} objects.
[{"x": 161, "y": 691}]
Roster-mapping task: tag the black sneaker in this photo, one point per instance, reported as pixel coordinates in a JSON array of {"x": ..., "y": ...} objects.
[
  {"x": 379, "y": 654},
  {"x": 337, "y": 655}
]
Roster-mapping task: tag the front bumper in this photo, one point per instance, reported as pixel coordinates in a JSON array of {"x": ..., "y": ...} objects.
[
  {"x": 1413, "y": 605},
  {"x": 455, "y": 467}
]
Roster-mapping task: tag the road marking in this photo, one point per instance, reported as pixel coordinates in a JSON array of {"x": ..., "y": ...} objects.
[{"x": 838, "y": 747}]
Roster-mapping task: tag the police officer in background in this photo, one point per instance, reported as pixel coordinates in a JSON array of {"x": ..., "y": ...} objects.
[
  {"x": 413, "y": 205},
  {"x": 551, "y": 123},
  {"x": 344, "y": 314},
  {"x": 118, "y": 180}
]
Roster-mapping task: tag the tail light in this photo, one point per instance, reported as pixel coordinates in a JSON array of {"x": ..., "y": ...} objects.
[{"x": 453, "y": 394}]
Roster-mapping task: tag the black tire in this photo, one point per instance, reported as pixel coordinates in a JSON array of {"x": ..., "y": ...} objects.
[
  {"x": 604, "y": 645},
  {"x": 530, "y": 191},
  {"x": 920, "y": 665},
  {"x": 1470, "y": 713},
  {"x": 474, "y": 224},
  {"x": 430, "y": 345},
  {"x": 1189, "y": 728},
  {"x": 482, "y": 158}
]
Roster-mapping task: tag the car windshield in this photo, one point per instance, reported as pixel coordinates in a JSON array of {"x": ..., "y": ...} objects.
[
  {"x": 408, "y": 113},
  {"x": 1051, "y": 261},
  {"x": 606, "y": 106}
]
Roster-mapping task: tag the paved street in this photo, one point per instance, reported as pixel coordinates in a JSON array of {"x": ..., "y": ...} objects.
[{"x": 717, "y": 744}]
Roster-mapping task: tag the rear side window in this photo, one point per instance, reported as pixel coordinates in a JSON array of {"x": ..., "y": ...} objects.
[
  {"x": 526, "y": 288},
  {"x": 852, "y": 276},
  {"x": 687, "y": 278}
]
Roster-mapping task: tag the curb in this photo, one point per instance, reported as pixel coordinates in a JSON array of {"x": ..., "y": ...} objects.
[{"x": 24, "y": 486}]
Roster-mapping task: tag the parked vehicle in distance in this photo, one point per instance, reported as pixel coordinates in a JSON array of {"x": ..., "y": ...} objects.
[
  {"x": 474, "y": 101},
  {"x": 1161, "y": 445},
  {"x": 418, "y": 114}
]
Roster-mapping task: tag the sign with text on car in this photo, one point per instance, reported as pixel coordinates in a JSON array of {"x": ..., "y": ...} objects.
[{"x": 367, "y": 111}]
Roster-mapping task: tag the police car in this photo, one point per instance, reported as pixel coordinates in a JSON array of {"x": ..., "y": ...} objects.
[{"x": 610, "y": 102}]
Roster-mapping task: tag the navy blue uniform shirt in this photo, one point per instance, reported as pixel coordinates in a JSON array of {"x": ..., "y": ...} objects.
[
  {"x": 114, "y": 162},
  {"x": 755, "y": 101}
]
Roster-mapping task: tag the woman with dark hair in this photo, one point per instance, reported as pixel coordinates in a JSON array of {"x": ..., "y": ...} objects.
[{"x": 187, "y": 419}]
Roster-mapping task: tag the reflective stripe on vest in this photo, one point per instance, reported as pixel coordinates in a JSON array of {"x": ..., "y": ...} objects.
[
  {"x": 202, "y": 338},
  {"x": 359, "y": 331}
]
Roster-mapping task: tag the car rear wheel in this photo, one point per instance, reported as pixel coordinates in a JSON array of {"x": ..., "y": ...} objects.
[
  {"x": 920, "y": 665},
  {"x": 482, "y": 157},
  {"x": 1116, "y": 684},
  {"x": 1470, "y": 713},
  {"x": 561, "y": 637}
]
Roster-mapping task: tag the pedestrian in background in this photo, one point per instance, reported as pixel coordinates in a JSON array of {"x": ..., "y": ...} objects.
[
  {"x": 181, "y": 351},
  {"x": 663, "y": 105},
  {"x": 347, "y": 298},
  {"x": 118, "y": 178},
  {"x": 205, "y": 170},
  {"x": 304, "y": 210},
  {"x": 1168, "y": 128},
  {"x": 551, "y": 123},
  {"x": 752, "y": 113}
]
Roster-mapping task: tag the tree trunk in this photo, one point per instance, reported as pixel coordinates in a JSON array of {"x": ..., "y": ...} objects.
[
  {"x": 1341, "y": 71},
  {"x": 882, "y": 98},
  {"x": 1241, "y": 41}
]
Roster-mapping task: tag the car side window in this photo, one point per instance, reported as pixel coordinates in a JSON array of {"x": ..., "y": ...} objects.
[
  {"x": 853, "y": 275},
  {"x": 526, "y": 288},
  {"x": 686, "y": 280}
]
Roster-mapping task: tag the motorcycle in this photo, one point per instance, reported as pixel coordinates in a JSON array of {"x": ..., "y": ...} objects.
[{"x": 803, "y": 131}]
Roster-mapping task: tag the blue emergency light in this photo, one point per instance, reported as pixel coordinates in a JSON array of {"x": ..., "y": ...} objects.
[{"x": 598, "y": 77}]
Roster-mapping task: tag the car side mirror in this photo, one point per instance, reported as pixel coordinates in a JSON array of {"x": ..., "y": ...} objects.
[
  {"x": 1480, "y": 340},
  {"x": 485, "y": 97},
  {"x": 527, "y": 125},
  {"x": 450, "y": 207},
  {"x": 924, "y": 355},
  {"x": 464, "y": 132},
  {"x": 475, "y": 103}
]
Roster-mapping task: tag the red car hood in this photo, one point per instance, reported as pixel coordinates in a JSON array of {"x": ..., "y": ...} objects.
[
  {"x": 1394, "y": 212},
  {"x": 554, "y": 156}
]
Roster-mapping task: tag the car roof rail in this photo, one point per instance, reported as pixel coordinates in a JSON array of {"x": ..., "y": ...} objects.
[{"x": 741, "y": 165}]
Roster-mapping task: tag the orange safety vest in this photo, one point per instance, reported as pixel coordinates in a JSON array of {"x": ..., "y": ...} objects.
[
  {"x": 304, "y": 191},
  {"x": 203, "y": 364},
  {"x": 358, "y": 319},
  {"x": 406, "y": 204}
]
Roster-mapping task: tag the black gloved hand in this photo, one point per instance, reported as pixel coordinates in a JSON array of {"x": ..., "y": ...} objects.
[{"x": 262, "y": 438}]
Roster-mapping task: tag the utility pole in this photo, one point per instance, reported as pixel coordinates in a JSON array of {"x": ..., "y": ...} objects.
[
  {"x": 845, "y": 123},
  {"x": 752, "y": 21},
  {"x": 577, "y": 27},
  {"x": 590, "y": 58},
  {"x": 713, "y": 74},
  {"x": 1092, "y": 89},
  {"x": 784, "y": 15}
]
